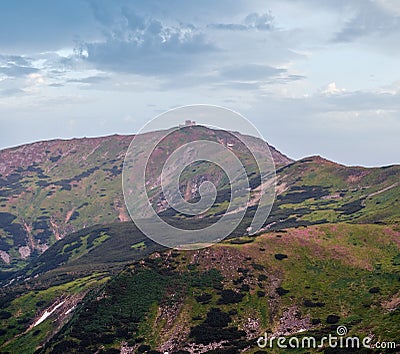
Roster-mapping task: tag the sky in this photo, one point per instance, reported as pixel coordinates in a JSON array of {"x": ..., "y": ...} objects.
[{"x": 316, "y": 77}]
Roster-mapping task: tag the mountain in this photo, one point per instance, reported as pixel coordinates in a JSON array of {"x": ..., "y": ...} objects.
[
  {"x": 219, "y": 300},
  {"x": 328, "y": 255},
  {"x": 302, "y": 281},
  {"x": 52, "y": 188},
  {"x": 320, "y": 191}
]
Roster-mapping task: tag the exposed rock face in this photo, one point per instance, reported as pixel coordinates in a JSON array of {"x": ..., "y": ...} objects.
[
  {"x": 5, "y": 257},
  {"x": 292, "y": 322},
  {"x": 24, "y": 252}
]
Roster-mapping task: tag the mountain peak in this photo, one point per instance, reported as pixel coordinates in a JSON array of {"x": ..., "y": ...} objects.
[
  {"x": 49, "y": 189},
  {"x": 319, "y": 160}
]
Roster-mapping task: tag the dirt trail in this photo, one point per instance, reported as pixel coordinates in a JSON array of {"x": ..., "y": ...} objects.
[
  {"x": 384, "y": 189},
  {"x": 69, "y": 215},
  {"x": 28, "y": 230}
]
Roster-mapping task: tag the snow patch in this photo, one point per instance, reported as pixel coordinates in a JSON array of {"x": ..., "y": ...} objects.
[
  {"x": 47, "y": 314},
  {"x": 70, "y": 310}
]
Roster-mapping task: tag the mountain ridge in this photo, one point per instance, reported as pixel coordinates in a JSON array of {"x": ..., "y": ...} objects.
[
  {"x": 52, "y": 188},
  {"x": 49, "y": 189},
  {"x": 50, "y": 143},
  {"x": 327, "y": 255}
]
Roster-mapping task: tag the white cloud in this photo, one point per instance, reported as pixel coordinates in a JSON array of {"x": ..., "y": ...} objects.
[
  {"x": 391, "y": 6},
  {"x": 332, "y": 89},
  {"x": 252, "y": 22}
]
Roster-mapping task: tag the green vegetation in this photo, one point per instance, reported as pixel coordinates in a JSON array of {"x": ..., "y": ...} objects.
[
  {"x": 334, "y": 274},
  {"x": 139, "y": 245},
  {"x": 98, "y": 248},
  {"x": 27, "y": 307},
  {"x": 327, "y": 256},
  {"x": 118, "y": 310}
]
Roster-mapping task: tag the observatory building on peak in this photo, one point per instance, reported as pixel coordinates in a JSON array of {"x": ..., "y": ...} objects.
[{"x": 188, "y": 123}]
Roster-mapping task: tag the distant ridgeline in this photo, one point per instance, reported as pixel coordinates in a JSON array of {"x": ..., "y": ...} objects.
[
  {"x": 79, "y": 277},
  {"x": 52, "y": 188}
]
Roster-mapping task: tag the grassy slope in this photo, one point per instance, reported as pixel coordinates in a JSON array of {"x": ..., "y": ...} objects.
[
  {"x": 67, "y": 270},
  {"x": 56, "y": 189},
  {"x": 59, "y": 186},
  {"x": 338, "y": 262},
  {"x": 50, "y": 189},
  {"x": 335, "y": 265},
  {"x": 27, "y": 305},
  {"x": 98, "y": 248},
  {"x": 318, "y": 190}
]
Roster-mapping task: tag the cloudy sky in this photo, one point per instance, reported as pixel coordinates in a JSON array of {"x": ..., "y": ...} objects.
[{"x": 314, "y": 76}]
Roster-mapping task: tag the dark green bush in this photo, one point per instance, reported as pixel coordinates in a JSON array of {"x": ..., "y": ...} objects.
[
  {"x": 204, "y": 298},
  {"x": 280, "y": 256},
  {"x": 281, "y": 291},
  {"x": 229, "y": 296},
  {"x": 309, "y": 303},
  {"x": 374, "y": 290},
  {"x": 143, "y": 348},
  {"x": 332, "y": 319},
  {"x": 5, "y": 314},
  {"x": 262, "y": 277}
]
